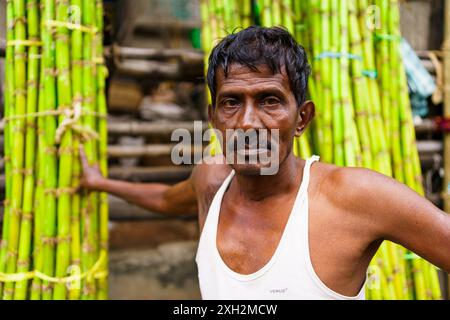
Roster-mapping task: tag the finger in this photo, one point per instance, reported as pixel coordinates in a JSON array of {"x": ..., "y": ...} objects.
[{"x": 83, "y": 158}]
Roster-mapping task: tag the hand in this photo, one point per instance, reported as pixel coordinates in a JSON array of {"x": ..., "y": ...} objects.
[{"x": 91, "y": 177}]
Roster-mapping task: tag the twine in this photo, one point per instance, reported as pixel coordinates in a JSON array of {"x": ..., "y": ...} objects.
[
  {"x": 57, "y": 192},
  {"x": 372, "y": 74},
  {"x": 337, "y": 55},
  {"x": 94, "y": 272},
  {"x": 84, "y": 112},
  {"x": 387, "y": 37},
  {"x": 71, "y": 26},
  {"x": 24, "y": 42}
]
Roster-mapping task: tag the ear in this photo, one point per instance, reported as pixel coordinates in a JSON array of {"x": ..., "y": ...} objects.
[{"x": 305, "y": 116}]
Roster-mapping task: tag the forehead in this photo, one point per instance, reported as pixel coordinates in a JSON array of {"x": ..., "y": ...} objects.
[{"x": 240, "y": 76}]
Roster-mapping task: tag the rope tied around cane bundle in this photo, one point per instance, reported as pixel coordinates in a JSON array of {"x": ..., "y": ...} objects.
[
  {"x": 93, "y": 273},
  {"x": 70, "y": 120}
]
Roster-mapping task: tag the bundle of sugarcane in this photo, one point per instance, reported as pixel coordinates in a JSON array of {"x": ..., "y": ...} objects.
[
  {"x": 54, "y": 238},
  {"x": 397, "y": 118}
]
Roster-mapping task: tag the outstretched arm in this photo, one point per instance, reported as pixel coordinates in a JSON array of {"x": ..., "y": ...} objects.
[
  {"x": 178, "y": 199},
  {"x": 395, "y": 212}
]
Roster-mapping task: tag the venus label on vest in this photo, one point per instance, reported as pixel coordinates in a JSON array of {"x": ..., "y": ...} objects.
[{"x": 279, "y": 291}]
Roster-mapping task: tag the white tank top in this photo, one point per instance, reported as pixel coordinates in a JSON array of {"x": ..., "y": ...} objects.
[{"x": 288, "y": 275}]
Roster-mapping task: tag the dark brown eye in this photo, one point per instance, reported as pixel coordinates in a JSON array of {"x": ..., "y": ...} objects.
[
  {"x": 271, "y": 101},
  {"x": 230, "y": 103}
]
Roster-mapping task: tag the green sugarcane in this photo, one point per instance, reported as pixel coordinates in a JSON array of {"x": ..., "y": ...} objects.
[
  {"x": 50, "y": 181},
  {"x": 215, "y": 32},
  {"x": 8, "y": 135},
  {"x": 89, "y": 203},
  {"x": 23, "y": 262},
  {"x": 228, "y": 17},
  {"x": 378, "y": 139},
  {"x": 316, "y": 74},
  {"x": 266, "y": 18},
  {"x": 360, "y": 90},
  {"x": 391, "y": 126},
  {"x": 303, "y": 37},
  {"x": 335, "y": 153},
  {"x": 413, "y": 170},
  {"x": 77, "y": 84},
  {"x": 401, "y": 160},
  {"x": 326, "y": 80},
  {"x": 219, "y": 9},
  {"x": 276, "y": 13},
  {"x": 246, "y": 19},
  {"x": 304, "y": 144},
  {"x": 383, "y": 69},
  {"x": 39, "y": 202},
  {"x": 287, "y": 16},
  {"x": 65, "y": 151},
  {"x": 18, "y": 141},
  {"x": 206, "y": 27},
  {"x": 103, "y": 155},
  {"x": 236, "y": 18},
  {"x": 298, "y": 11},
  {"x": 406, "y": 135},
  {"x": 350, "y": 147}
]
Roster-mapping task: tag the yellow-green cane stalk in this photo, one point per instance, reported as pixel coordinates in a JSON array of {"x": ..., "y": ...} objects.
[
  {"x": 65, "y": 151},
  {"x": 90, "y": 202},
  {"x": 102, "y": 293},
  {"x": 8, "y": 135},
  {"x": 77, "y": 87},
  {"x": 39, "y": 202},
  {"x": 18, "y": 143},
  {"x": 24, "y": 255},
  {"x": 50, "y": 160}
]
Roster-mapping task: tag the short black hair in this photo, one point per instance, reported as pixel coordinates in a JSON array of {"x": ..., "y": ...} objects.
[{"x": 256, "y": 46}]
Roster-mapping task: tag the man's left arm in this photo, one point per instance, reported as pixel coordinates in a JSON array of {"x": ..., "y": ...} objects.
[{"x": 399, "y": 214}]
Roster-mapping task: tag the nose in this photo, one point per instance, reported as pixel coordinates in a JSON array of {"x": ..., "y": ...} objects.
[{"x": 249, "y": 118}]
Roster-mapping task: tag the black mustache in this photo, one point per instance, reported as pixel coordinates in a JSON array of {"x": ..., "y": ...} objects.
[{"x": 266, "y": 144}]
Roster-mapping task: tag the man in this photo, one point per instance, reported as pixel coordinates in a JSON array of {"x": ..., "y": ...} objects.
[{"x": 308, "y": 231}]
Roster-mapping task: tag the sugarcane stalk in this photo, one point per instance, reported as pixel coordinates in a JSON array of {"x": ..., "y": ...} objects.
[
  {"x": 287, "y": 15},
  {"x": 77, "y": 83},
  {"x": 65, "y": 151},
  {"x": 50, "y": 181},
  {"x": 378, "y": 139},
  {"x": 246, "y": 19},
  {"x": 23, "y": 262},
  {"x": 18, "y": 141},
  {"x": 8, "y": 135},
  {"x": 360, "y": 90},
  {"x": 383, "y": 70},
  {"x": 266, "y": 18},
  {"x": 327, "y": 13},
  {"x": 350, "y": 147},
  {"x": 276, "y": 13},
  {"x": 39, "y": 201},
  {"x": 316, "y": 74},
  {"x": 90, "y": 202},
  {"x": 333, "y": 151},
  {"x": 103, "y": 153}
]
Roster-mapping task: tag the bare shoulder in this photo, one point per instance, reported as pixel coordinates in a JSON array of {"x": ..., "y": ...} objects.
[{"x": 349, "y": 188}]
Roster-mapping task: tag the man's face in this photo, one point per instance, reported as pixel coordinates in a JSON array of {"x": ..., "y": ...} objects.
[{"x": 255, "y": 100}]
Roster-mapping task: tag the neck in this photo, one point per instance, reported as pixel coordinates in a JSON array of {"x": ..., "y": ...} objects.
[{"x": 260, "y": 187}]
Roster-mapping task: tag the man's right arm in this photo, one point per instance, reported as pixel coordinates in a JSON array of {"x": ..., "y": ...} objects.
[{"x": 175, "y": 199}]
